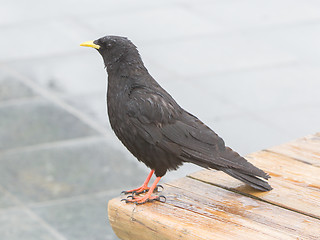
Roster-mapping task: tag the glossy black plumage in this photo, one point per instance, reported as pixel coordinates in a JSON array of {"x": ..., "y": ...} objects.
[{"x": 154, "y": 128}]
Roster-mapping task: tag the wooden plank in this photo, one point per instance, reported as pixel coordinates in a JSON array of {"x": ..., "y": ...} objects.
[
  {"x": 296, "y": 184},
  {"x": 196, "y": 210},
  {"x": 306, "y": 149},
  {"x": 284, "y": 194},
  {"x": 278, "y": 165}
]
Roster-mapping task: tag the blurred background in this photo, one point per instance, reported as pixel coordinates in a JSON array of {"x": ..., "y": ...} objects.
[{"x": 249, "y": 69}]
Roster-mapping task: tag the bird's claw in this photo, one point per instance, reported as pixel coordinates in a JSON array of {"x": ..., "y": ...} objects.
[
  {"x": 157, "y": 188},
  {"x": 140, "y": 192},
  {"x": 127, "y": 192},
  {"x": 126, "y": 199},
  {"x": 137, "y": 191},
  {"x": 164, "y": 199},
  {"x": 160, "y": 198}
]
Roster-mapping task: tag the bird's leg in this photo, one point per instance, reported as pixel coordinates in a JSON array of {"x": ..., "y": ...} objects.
[
  {"x": 143, "y": 188},
  {"x": 146, "y": 198}
]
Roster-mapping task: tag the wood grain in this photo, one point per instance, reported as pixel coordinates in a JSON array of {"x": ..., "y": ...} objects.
[
  {"x": 306, "y": 149},
  {"x": 212, "y": 205},
  {"x": 195, "y": 210},
  {"x": 285, "y": 193}
]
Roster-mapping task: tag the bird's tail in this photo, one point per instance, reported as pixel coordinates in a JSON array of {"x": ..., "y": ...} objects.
[{"x": 253, "y": 181}]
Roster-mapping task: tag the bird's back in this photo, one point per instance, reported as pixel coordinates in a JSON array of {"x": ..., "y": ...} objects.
[{"x": 157, "y": 131}]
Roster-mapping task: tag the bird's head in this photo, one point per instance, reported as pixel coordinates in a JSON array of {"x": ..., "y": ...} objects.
[{"x": 114, "y": 49}]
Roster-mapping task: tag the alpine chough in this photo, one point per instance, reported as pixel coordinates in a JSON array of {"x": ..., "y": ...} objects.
[{"x": 155, "y": 129}]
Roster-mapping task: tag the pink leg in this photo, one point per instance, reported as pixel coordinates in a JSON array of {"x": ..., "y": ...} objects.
[
  {"x": 148, "y": 197},
  {"x": 143, "y": 188}
]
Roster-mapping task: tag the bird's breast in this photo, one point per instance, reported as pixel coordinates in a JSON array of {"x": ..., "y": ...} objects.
[{"x": 117, "y": 98}]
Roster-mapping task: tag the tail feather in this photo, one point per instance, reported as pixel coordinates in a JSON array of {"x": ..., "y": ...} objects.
[
  {"x": 243, "y": 165},
  {"x": 253, "y": 181}
]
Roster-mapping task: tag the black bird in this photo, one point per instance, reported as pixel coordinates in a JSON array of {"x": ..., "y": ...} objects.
[{"x": 155, "y": 129}]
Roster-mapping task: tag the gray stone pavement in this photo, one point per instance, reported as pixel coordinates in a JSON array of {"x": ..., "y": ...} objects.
[{"x": 249, "y": 69}]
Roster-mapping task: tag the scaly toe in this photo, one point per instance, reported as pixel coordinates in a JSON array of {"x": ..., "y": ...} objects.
[{"x": 136, "y": 191}]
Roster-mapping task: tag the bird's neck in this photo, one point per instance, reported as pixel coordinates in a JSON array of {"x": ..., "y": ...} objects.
[
  {"x": 126, "y": 68},
  {"x": 127, "y": 64},
  {"x": 125, "y": 72}
]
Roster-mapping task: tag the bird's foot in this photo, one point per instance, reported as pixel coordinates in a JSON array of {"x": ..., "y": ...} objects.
[
  {"x": 146, "y": 198},
  {"x": 137, "y": 191},
  {"x": 142, "y": 189}
]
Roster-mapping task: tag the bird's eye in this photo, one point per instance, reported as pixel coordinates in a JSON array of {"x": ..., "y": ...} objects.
[{"x": 109, "y": 45}]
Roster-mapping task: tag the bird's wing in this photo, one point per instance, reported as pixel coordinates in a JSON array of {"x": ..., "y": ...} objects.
[
  {"x": 149, "y": 110},
  {"x": 161, "y": 121},
  {"x": 201, "y": 145}
]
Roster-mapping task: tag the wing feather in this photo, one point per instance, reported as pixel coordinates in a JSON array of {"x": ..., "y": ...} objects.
[{"x": 162, "y": 122}]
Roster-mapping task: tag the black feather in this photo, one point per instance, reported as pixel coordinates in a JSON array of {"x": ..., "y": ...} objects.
[
  {"x": 253, "y": 181},
  {"x": 154, "y": 128}
]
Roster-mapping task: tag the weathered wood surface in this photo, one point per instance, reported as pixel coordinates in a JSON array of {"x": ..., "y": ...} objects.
[
  {"x": 212, "y": 205},
  {"x": 305, "y": 149}
]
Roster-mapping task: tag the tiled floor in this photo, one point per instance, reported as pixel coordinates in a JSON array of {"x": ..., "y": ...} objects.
[{"x": 248, "y": 69}]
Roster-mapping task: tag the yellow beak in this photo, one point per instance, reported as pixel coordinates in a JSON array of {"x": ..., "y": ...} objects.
[{"x": 90, "y": 44}]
